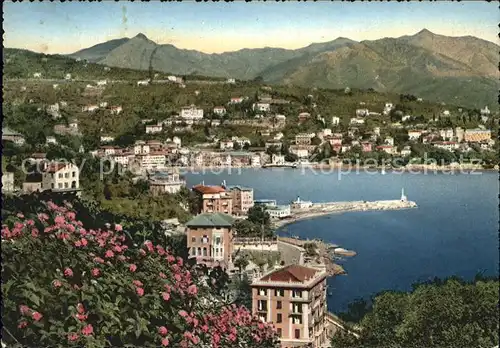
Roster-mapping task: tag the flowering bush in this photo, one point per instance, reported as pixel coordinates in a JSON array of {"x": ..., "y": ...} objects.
[{"x": 66, "y": 285}]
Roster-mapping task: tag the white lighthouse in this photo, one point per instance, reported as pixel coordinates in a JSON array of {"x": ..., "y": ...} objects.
[{"x": 403, "y": 197}]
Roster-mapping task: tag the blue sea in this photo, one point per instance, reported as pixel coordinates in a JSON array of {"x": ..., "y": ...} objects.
[{"x": 454, "y": 230}]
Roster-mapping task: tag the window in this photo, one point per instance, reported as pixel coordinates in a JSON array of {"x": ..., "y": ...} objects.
[
  {"x": 204, "y": 251},
  {"x": 217, "y": 240},
  {"x": 297, "y": 333},
  {"x": 205, "y": 239},
  {"x": 66, "y": 185},
  {"x": 278, "y": 305},
  {"x": 279, "y": 318},
  {"x": 297, "y": 293},
  {"x": 262, "y": 305},
  {"x": 59, "y": 185},
  {"x": 279, "y": 332},
  {"x": 279, "y": 292},
  {"x": 262, "y": 292},
  {"x": 66, "y": 175},
  {"x": 297, "y": 308},
  {"x": 52, "y": 185},
  {"x": 199, "y": 251},
  {"x": 60, "y": 175},
  {"x": 73, "y": 174},
  {"x": 193, "y": 239},
  {"x": 296, "y": 320},
  {"x": 193, "y": 251}
]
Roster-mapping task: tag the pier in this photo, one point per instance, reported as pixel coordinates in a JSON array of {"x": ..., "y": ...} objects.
[{"x": 327, "y": 208}]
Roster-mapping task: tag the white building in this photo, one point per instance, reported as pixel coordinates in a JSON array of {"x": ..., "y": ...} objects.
[
  {"x": 335, "y": 120},
  {"x": 143, "y": 82},
  {"x": 177, "y": 141},
  {"x": 103, "y": 104},
  {"x": 153, "y": 161},
  {"x": 300, "y": 204},
  {"x": 278, "y": 159},
  {"x": 255, "y": 161},
  {"x": 279, "y": 211},
  {"x": 388, "y": 108},
  {"x": 357, "y": 121},
  {"x": 389, "y": 141},
  {"x": 155, "y": 128},
  {"x": 7, "y": 182},
  {"x": 231, "y": 80},
  {"x": 90, "y": 108},
  {"x": 226, "y": 145},
  {"x": 376, "y": 130},
  {"x": 67, "y": 77},
  {"x": 102, "y": 83},
  {"x": 60, "y": 176},
  {"x": 107, "y": 138},
  {"x": 406, "y": 151},
  {"x": 191, "y": 113},
  {"x": 362, "y": 112},
  {"x": 262, "y": 107},
  {"x": 446, "y": 113},
  {"x": 172, "y": 78},
  {"x": 414, "y": 134},
  {"x": 141, "y": 148},
  {"x": 219, "y": 110},
  {"x": 116, "y": 110},
  {"x": 485, "y": 111},
  {"x": 50, "y": 140},
  {"x": 446, "y": 134},
  {"x": 236, "y": 100},
  {"x": 37, "y": 75}
]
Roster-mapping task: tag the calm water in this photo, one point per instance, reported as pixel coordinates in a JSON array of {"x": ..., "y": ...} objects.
[{"x": 454, "y": 231}]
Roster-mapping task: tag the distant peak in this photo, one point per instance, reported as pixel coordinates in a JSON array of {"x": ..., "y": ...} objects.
[
  {"x": 141, "y": 36},
  {"x": 425, "y": 32}
]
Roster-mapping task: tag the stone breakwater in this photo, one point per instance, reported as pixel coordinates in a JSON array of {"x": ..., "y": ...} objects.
[{"x": 327, "y": 208}]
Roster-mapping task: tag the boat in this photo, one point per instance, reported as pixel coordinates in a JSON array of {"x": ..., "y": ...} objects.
[
  {"x": 284, "y": 165},
  {"x": 383, "y": 171}
]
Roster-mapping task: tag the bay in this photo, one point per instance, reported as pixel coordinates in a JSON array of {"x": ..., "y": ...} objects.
[{"x": 454, "y": 230}]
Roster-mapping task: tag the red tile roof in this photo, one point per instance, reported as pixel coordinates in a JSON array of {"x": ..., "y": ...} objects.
[
  {"x": 294, "y": 273},
  {"x": 55, "y": 167},
  {"x": 208, "y": 189}
]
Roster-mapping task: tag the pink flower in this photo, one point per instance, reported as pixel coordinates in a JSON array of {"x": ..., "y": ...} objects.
[
  {"x": 30, "y": 222},
  {"x": 162, "y": 275},
  {"x": 164, "y": 342},
  {"x": 22, "y": 325},
  {"x": 142, "y": 252},
  {"x": 81, "y": 317},
  {"x": 59, "y": 220},
  {"x": 56, "y": 283},
  {"x": 73, "y": 337},
  {"x": 162, "y": 330},
  {"x": 24, "y": 309},
  {"x": 140, "y": 291},
  {"x": 20, "y": 215},
  {"x": 36, "y": 316},
  {"x": 95, "y": 272},
  {"x": 178, "y": 277},
  {"x": 118, "y": 227},
  {"x": 88, "y": 330},
  {"x": 117, "y": 248},
  {"x": 109, "y": 254},
  {"x": 83, "y": 241},
  {"x": 79, "y": 308},
  {"x": 132, "y": 268},
  {"x": 137, "y": 283},
  {"x": 43, "y": 217},
  {"x": 180, "y": 262},
  {"x": 70, "y": 215},
  {"x": 192, "y": 290},
  {"x": 68, "y": 272},
  {"x": 78, "y": 244},
  {"x": 165, "y": 295},
  {"x": 183, "y": 313},
  {"x": 170, "y": 258},
  {"x": 34, "y": 232},
  {"x": 204, "y": 328},
  {"x": 98, "y": 260}
]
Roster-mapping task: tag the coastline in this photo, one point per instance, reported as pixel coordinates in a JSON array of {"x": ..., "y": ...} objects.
[
  {"x": 347, "y": 168},
  {"x": 325, "y": 209}
]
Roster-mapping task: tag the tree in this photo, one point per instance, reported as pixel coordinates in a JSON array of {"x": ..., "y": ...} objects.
[
  {"x": 241, "y": 263},
  {"x": 236, "y": 146},
  {"x": 259, "y": 216},
  {"x": 439, "y": 313},
  {"x": 316, "y": 141}
]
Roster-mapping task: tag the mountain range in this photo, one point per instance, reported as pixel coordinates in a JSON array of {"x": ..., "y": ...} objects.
[{"x": 459, "y": 70}]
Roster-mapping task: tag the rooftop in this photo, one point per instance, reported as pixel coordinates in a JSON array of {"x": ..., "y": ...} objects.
[
  {"x": 211, "y": 220},
  {"x": 55, "y": 167},
  {"x": 291, "y": 273},
  {"x": 240, "y": 188},
  {"x": 208, "y": 189},
  {"x": 8, "y": 131}
]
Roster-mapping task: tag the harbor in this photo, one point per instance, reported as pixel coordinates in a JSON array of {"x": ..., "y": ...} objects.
[{"x": 302, "y": 210}]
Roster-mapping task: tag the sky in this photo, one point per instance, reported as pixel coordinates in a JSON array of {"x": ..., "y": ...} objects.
[{"x": 220, "y": 27}]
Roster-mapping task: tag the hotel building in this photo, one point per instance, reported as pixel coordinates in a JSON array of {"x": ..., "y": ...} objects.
[
  {"x": 213, "y": 199},
  {"x": 293, "y": 298},
  {"x": 242, "y": 199}
]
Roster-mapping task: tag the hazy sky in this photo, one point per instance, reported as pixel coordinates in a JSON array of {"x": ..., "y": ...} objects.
[{"x": 218, "y": 27}]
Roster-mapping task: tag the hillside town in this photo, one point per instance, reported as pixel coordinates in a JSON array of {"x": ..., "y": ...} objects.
[{"x": 143, "y": 151}]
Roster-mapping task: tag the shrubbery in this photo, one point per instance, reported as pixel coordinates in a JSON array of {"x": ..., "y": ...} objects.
[{"x": 68, "y": 284}]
